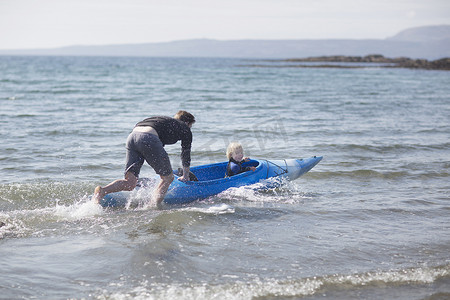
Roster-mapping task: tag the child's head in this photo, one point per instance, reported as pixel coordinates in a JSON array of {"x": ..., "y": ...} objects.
[{"x": 235, "y": 151}]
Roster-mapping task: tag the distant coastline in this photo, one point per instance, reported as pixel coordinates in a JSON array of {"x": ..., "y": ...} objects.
[
  {"x": 352, "y": 62},
  {"x": 427, "y": 42}
]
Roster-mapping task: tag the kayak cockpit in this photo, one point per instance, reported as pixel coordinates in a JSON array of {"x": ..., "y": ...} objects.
[{"x": 215, "y": 171}]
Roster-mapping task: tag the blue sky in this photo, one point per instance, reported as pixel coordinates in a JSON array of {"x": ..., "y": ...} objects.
[{"x": 55, "y": 23}]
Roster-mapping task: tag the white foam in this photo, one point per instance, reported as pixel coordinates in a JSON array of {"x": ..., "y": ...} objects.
[
  {"x": 78, "y": 211},
  {"x": 213, "y": 210},
  {"x": 258, "y": 192},
  {"x": 11, "y": 226},
  {"x": 420, "y": 275},
  {"x": 285, "y": 288}
]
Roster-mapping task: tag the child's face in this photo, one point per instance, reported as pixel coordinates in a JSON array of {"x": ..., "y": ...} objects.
[{"x": 238, "y": 155}]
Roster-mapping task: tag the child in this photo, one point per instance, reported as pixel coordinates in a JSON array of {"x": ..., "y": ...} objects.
[{"x": 235, "y": 154}]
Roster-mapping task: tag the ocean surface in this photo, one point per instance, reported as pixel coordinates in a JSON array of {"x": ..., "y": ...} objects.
[{"x": 370, "y": 221}]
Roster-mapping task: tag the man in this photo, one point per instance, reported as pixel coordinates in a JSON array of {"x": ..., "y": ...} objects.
[{"x": 146, "y": 142}]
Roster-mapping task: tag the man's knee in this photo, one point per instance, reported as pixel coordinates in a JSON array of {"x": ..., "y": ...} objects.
[
  {"x": 168, "y": 179},
  {"x": 130, "y": 186},
  {"x": 131, "y": 181}
]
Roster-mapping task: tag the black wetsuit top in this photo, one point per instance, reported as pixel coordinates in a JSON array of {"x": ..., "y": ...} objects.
[{"x": 170, "y": 131}]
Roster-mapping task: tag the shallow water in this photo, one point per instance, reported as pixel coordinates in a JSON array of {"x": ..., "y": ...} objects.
[{"x": 371, "y": 221}]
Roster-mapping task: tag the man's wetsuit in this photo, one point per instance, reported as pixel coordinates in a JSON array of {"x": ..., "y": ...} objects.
[{"x": 149, "y": 147}]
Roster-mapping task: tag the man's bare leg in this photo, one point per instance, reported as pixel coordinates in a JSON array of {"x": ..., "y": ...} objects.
[
  {"x": 127, "y": 184},
  {"x": 162, "y": 188}
]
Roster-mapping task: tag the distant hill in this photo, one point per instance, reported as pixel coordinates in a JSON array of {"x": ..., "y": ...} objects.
[
  {"x": 423, "y": 34},
  {"x": 430, "y": 42}
]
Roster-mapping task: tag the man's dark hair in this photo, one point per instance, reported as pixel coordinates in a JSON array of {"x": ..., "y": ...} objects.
[{"x": 184, "y": 116}]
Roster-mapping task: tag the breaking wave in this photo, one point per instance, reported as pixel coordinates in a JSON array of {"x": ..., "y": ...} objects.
[{"x": 273, "y": 288}]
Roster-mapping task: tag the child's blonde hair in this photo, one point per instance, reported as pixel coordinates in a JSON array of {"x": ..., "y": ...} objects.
[{"x": 232, "y": 148}]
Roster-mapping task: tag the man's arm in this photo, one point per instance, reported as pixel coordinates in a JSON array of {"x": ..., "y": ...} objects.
[{"x": 185, "y": 176}]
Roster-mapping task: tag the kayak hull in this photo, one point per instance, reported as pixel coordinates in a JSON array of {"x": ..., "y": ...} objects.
[{"x": 212, "y": 180}]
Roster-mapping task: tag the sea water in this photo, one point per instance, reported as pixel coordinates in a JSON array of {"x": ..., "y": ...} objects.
[{"x": 371, "y": 221}]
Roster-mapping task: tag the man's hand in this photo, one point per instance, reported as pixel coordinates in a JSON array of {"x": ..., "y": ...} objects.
[{"x": 184, "y": 178}]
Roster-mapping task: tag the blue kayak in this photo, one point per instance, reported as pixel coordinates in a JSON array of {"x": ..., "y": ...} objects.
[{"x": 212, "y": 180}]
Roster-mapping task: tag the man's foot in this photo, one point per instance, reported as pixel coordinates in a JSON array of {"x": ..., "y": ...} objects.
[{"x": 99, "y": 193}]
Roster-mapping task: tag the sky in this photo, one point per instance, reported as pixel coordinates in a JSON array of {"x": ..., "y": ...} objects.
[{"x": 32, "y": 24}]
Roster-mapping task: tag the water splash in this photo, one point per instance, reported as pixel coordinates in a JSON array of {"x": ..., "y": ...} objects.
[
  {"x": 287, "y": 192},
  {"x": 79, "y": 210}
]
